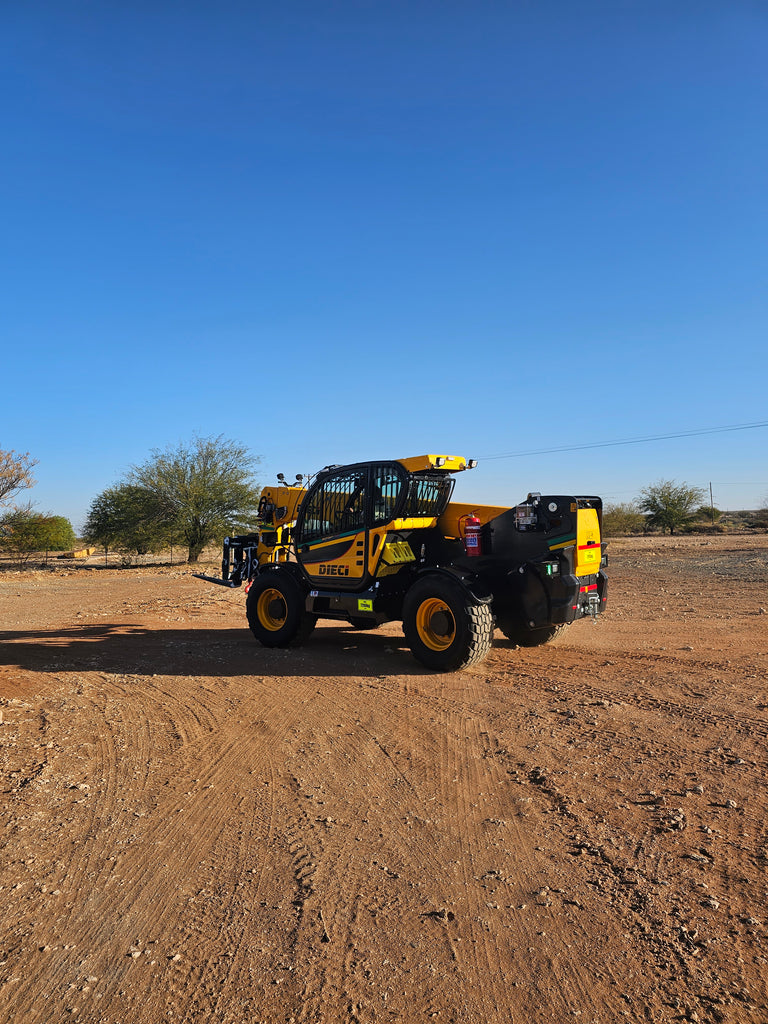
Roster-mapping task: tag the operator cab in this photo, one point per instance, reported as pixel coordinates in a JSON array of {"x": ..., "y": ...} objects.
[{"x": 354, "y": 523}]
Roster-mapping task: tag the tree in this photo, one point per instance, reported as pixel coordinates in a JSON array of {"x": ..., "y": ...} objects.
[
  {"x": 759, "y": 519},
  {"x": 669, "y": 505},
  {"x": 622, "y": 518},
  {"x": 130, "y": 518},
  {"x": 58, "y": 534},
  {"x": 24, "y": 532},
  {"x": 15, "y": 474},
  {"x": 709, "y": 513},
  {"x": 205, "y": 488}
]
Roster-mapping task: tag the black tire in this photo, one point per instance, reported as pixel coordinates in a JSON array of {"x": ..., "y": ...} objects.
[
  {"x": 306, "y": 627},
  {"x": 275, "y": 610},
  {"x": 446, "y": 627},
  {"x": 522, "y": 635}
]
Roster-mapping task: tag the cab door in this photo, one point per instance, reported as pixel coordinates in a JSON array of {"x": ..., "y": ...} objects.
[{"x": 332, "y": 531}]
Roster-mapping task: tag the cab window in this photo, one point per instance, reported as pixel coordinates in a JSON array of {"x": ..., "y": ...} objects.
[
  {"x": 388, "y": 485},
  {"x": 336, "y": 506}
]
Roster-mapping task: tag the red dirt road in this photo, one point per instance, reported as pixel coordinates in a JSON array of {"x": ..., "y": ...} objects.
[{"x": 195, "y": 828}]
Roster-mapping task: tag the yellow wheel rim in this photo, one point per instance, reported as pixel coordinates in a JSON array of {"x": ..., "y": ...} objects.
[
  {"x": 271, "y": 609},
  {"x": 435, "y": 624}
]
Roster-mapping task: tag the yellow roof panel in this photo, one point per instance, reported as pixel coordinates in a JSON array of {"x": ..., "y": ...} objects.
[{"x": 449, "y": 463}]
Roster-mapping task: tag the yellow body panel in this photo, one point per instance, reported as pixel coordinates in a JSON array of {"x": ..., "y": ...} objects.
[
  {"x": 449, "y": 463},
  {"x": 288, "y": 498},
  {"x": 456, "y": 511},
  {"x": 588, "y": 549},
  {"x": 376, "y": 542},
  {"x": 273, "y": 545},
  {"x": 346, "y": 566},
  {"x": 413, "y": 523},
  {"x": 393, "y": 557}
]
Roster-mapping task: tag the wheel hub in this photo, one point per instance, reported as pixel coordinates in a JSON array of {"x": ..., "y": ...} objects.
[
  {"x": 435, "y": 624},
  {"x": 440, "y": 623},
  {"x": 272, "y": 609}
]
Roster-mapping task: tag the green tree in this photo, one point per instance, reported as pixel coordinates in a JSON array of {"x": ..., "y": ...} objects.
[
  {"x": 15, "y": 474},
  {"x": 622, "y": 518},
  {"x": 205, "y": 487},
  {"x": 23, "y": 532},
  {"x": 59, "y": 534},
  {"x": 708, "y": 513},
  {"x": 129, "y": 518},
  {"x": 668, "y": 505}
]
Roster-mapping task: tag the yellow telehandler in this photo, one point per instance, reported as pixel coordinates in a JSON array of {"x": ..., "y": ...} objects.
[{"x": 377, "y": 542}]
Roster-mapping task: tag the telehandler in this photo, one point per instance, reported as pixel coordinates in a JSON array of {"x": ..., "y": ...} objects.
[{"x": 377, "y": 542}]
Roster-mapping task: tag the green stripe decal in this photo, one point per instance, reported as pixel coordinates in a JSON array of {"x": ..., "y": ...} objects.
[
  {"x": 333, "y": 538},
  {"x": 561, "y": 542}
]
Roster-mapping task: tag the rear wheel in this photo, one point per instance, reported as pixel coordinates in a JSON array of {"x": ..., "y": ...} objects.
[
  {"x": 522, "y": 635},
  {"x": 275, "y": 610},
  {"x": 446, "y": 627}
]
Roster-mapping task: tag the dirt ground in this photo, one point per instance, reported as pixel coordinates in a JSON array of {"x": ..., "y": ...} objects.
[{"x": 195, "y": 828}]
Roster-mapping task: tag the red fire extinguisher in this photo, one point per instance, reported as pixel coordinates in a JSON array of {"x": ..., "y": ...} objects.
[{"x": 472, "y": 543}]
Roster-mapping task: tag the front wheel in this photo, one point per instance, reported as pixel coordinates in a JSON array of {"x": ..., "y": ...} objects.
[
  {"x": 275, "y": 610},
  {"x": 446, "y": 627}
]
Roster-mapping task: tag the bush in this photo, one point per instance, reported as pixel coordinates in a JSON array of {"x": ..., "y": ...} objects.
[{"x": 623, "y": 519}]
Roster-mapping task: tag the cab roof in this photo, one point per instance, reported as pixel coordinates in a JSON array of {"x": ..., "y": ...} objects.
[{"x": 447, "y": 463}]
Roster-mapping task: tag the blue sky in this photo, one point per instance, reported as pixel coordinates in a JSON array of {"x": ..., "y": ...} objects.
[{"x": 336, "y": 231}]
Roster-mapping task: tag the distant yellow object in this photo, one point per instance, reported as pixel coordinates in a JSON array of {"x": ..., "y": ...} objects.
[{"x": 80, "y": 553}]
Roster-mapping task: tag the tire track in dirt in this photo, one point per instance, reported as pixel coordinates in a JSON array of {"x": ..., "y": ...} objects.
[
  {"x": 346, "y": 866},
  {"x": 224, "y": 909},
  {"x": 668, "y": 941},
  {"x": 368, "y": 837},
  {"x": 464, "y": 780},
  {"x": 89, "y": 816},
  {"x": 513, "y": 873},
  {"x": 573, "y": 990},
  {"x": 112, "y": 864},
  {"x": 597, "y": 862},
  {"x": 707, "y": 756},
  {"x": 469, "y": 800},
  {"x": 645, "y": 700},
  {"x": 208, "y": 849}
]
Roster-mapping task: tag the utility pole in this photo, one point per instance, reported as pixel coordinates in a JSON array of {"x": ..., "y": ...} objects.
[{"x": 711, "y": 503}]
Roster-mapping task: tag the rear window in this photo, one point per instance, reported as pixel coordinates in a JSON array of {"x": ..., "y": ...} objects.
[{"x": 428, "y": 494}]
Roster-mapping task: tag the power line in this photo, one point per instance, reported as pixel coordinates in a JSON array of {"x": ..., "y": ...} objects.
[{"x": 631, "y": 440}]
